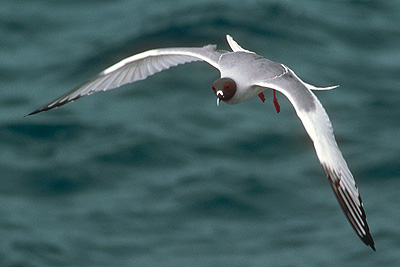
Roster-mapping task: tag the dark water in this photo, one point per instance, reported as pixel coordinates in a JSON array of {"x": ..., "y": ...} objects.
[{"x": 154, "y": 174}]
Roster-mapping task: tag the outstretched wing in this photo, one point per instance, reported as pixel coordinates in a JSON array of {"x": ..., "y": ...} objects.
[
  {"x": 319, "y": 127},
  {"x": 135, "y": 68}
]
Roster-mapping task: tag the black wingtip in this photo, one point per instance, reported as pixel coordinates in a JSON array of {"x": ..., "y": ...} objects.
[
  {"x": 369, "y": 240},
  {"x": 343, "y": 198},
  {"x": 33, "y": 113}
]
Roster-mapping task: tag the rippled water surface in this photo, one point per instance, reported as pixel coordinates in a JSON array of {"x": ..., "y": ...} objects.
[{"x": 154, "y": 174}]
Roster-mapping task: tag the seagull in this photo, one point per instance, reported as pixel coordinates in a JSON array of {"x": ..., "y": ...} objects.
[{"x": 245, "y": 74}]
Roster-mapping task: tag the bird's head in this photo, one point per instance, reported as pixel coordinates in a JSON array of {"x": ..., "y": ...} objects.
[{"x": 224, "y": 89}]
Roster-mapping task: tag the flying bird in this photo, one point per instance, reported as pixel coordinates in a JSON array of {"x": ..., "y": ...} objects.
[{"x": 245, "y": 74}]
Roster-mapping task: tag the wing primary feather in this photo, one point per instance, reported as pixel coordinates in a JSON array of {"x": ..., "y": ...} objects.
[{"x": 362, "y": 229}]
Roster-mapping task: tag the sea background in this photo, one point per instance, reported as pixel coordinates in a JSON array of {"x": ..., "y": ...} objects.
[{"x": 155, "y": 174}]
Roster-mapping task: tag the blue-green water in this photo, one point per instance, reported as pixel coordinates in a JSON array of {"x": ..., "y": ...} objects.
[{"x": 154, "y": 174}]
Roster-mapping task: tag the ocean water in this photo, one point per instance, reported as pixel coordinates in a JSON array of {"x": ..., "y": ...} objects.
[{"x": 154, "y": 174}]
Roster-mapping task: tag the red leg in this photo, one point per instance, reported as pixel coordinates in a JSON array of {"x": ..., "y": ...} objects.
[
  {"x": 276, "y": 104},
  {"x": 261, "y": 96}
]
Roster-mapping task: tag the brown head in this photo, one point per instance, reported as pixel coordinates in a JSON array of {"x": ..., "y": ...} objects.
[{"x": 224, "y": 89}]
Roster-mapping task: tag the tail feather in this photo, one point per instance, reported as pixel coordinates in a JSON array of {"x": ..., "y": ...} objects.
[{"x": 313, "y": 87}]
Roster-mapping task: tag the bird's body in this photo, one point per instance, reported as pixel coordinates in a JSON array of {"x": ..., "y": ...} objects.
[
  {"x": 244, "y": 74},
  {"x": 234, "y": 65}
]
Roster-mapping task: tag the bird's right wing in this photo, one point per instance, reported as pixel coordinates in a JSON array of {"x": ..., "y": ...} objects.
[{"x": 135, "y": 68}]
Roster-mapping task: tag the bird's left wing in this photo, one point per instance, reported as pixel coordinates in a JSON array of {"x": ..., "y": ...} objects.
[
  {"x": 135, "y": 68},
  {"x": 319, "y": 127}
]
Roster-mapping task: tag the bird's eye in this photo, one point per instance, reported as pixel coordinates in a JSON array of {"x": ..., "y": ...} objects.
[
  {"x": 228, "y": 86},
  {"x": 213, "y": 88}
]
